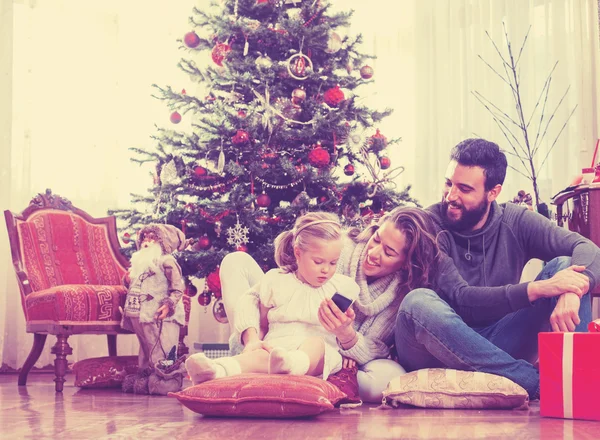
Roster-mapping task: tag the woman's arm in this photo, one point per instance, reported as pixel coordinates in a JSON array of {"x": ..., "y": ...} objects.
[{"x": 374, "y": 343}]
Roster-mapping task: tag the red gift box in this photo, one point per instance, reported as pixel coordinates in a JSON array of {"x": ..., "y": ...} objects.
[{"x": 570, "y": 375}]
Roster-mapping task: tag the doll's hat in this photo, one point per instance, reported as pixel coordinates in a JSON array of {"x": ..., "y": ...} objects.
[{"x": 171, "y": 239}]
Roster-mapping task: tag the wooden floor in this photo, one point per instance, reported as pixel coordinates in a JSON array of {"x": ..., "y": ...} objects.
[{"x": 36, "y": 411}]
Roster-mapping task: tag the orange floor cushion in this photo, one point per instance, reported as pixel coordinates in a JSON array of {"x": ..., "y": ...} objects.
[{"x": 261, "y": 395}]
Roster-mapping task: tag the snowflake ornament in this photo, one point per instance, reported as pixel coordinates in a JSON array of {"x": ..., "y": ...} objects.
[
  {"x": 357, "y": 140},
  {"x": 237, "y": 235}
]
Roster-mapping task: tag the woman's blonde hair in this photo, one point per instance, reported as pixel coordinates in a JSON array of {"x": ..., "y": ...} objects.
[
  {"x": 421, "y": 247},
  {"x": 308, "y": 228}
]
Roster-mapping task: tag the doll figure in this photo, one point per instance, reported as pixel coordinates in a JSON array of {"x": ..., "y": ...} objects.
[{"x": 153, "y": 307}]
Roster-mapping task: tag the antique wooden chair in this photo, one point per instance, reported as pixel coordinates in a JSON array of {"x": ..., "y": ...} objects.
[
  {"x": 69, "y": 272},
  {"x": 583, "y": 216}
]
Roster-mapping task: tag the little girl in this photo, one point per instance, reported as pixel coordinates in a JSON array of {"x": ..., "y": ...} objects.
[{"x": 289, "y": 299}]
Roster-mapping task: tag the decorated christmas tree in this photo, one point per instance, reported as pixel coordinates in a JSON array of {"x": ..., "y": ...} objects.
[{"x": 277, "y": 130}]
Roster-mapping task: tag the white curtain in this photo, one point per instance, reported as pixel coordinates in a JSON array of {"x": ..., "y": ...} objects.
[
  {"x": 75, "y": 86},
  {"x": 80, "y": 76}
]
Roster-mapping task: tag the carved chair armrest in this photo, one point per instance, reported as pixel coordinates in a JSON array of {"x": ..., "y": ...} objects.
[{"x": 24, "y": 282}]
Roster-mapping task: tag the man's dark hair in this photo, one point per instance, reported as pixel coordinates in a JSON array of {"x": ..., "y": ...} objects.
[{"x": 484, "y": 154}]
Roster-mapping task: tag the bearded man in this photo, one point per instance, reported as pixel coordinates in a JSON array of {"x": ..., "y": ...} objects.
[
  {"x": 480, "y": 316},
  {"x": 153, "y": 307}
]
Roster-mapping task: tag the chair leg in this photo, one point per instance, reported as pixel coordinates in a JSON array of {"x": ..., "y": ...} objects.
[
  {"x": 39, "y": 340},
  {"x": 112, "y": 345},
  {"x": 61, "y": 349}
]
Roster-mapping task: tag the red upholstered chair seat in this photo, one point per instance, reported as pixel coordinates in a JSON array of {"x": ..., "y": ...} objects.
[{"x": 75, "y": 304}]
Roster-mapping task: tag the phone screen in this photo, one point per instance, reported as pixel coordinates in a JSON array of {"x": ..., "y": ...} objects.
[{"x": 341, "y": 301}]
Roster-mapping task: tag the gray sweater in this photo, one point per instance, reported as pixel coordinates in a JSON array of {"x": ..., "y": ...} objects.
[{"x": 493, "y": 257}]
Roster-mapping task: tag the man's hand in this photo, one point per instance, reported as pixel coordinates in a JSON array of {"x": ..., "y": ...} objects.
[
  {"x": 161, "y": 313},
  {"x": 565, "y": 316},
  {"x": 335, "y": 321},
  {"x": 566, "y": 280}
]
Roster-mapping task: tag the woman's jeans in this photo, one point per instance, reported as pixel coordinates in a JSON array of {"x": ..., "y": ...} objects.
[{"x": 430, "y": 334}]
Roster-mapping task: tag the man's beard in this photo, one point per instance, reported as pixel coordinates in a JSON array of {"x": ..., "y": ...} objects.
[
  {"x": 468, "y": 219},
  {"x": 146, "y": 259}
]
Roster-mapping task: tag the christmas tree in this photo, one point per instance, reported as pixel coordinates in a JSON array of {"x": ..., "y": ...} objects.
[{"x": 279, "y": 131}]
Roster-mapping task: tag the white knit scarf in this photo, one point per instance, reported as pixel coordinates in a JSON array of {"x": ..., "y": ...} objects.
[{"x": 380, "y": 293}]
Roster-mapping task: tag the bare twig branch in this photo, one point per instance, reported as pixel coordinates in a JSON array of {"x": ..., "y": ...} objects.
[
  {"x": 521, "y": 158},
  {"x": 502, "y": 128},
  {"x": 499, "y": 122},
  {"x": 538, "y": 139},
  {"x": 495, "y": 47},
  {"x": 521, "y": 173},
  {"x": 500, "y": 113},
  {"x": 523, "y": 150},
  {"x": 522, "y": 45},
  {"x": 494, "y": 70},
  {"x": 557, "y": 136},
  {"x": 552, "y": 116},
  {"x": 545, "y": 88}
]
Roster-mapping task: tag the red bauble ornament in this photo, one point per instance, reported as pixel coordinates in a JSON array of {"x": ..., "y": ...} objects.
[
  {"x": 378, "y": 137},
  {"x": 263, "y": 200},
  {"x": 319, "y": 157},
  {"x": 126, "y": 238},
  {"x": 323, "y": 199},
  {"x": 190, "y": 290},
  {"x": 204, "y": 243},
  {"x": 349, "y": 169},
  {"x": 242, "y": 248},
  {"x": 204, "y": 298},
  {"x": 366, "y": 72},
  {"x": 191, "y": 40},
  {"x": 384, "y": 162},
  {"x": 241, "y": 114},
  {"x": 333, "y": 97},
  {"x": 213, "y": 282},
  {"x": 219, "y": 312},
  {"x": 298, "y": 96},
  {"x": 200, "y": 171},
  {"x": 175, "y": 118},
  {"x": 241, "y": 137},
  {"x": 219, "y": 53}
]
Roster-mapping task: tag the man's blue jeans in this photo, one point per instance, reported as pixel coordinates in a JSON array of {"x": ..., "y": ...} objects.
[{"x": 430, "y": 334}]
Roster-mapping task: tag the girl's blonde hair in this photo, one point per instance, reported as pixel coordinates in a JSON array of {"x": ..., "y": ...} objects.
[
  {"x": 308, "y": 228},
  {"x": 422, "y": 252}
]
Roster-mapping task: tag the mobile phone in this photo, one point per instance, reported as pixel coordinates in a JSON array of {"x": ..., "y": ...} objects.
[{"x": 341, "y": 301}]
